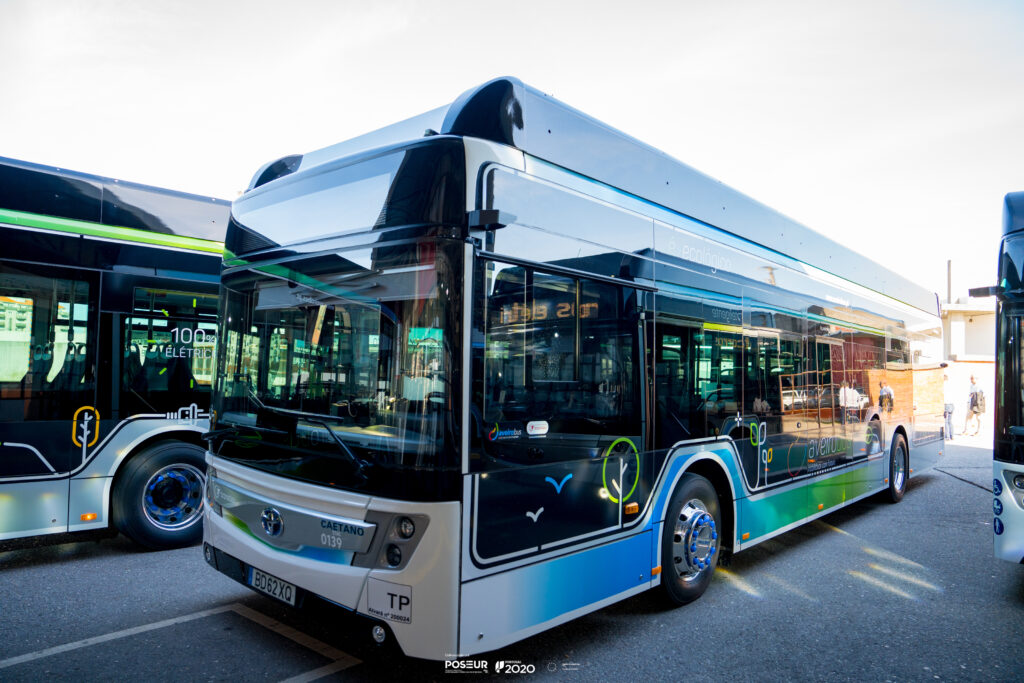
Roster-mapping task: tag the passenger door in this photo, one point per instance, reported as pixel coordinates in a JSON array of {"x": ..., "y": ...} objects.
[
  {"x": 48, "y": 419},
  {"x": 559, "y": 455}
]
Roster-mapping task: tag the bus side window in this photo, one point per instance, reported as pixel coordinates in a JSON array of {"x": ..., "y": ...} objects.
[
  {"x": 47, "y": 345},
  {"x": 169, "y": 344},
  {"x": 676, "y": 402},
  {"x": 47, "y": 363},
  {"x": 558, "y": 377}
]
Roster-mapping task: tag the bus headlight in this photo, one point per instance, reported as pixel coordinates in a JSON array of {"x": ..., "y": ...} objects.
[
  {"x": 395, "y": 541},
  {"x": 1018, "y": 481},
  {"x": 211, "y": 497},
  {"x": 406, "y": 527}
]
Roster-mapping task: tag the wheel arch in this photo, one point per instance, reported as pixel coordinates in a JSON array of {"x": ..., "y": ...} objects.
[
  {"x": 193, "y": 437},
  {"x": 901, "y": 430},
  {"x": 714, "y": 472},
  {"x": 712, "y": 464}
]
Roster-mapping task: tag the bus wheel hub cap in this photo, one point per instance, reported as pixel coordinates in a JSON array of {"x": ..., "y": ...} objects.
[{"x": 695, "y": 540}]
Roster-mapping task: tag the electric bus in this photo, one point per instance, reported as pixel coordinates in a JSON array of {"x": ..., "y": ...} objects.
[
  {"x": 1008, "y": 449},
  {"x": 108, "y": 305},
  {"x": 501, "y": 365}
]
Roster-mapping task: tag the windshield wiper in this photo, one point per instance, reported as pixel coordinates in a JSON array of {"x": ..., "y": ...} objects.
[
  {"x": 358, "y": 463},
  {"x": 321, "y": 420}
]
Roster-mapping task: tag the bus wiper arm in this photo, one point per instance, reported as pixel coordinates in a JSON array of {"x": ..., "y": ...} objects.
[
  {"x": 209, "y": 436},
  {"x": 321, "y": 420},
  {"x": 352, "y": 458}
]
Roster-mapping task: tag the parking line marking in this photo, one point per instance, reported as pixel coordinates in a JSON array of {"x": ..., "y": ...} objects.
[
  {"x": 335, "y": 655},
  {"x": 339, "y": 660},
  {"x": 116, "y": 635},
  {"x": 325, "y": 670}
]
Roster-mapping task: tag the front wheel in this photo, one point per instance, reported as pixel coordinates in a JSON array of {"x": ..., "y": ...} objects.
[
  {"x": 690, "y": 542},
  {"x": 899, "y": 468},
  {"x": 158, "y": 498}
]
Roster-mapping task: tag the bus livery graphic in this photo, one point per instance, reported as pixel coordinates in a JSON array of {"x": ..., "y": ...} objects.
[{"x": 545, "y": 367}]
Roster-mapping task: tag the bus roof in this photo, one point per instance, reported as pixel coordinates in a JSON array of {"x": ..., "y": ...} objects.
[
  {"x": 510, "y": 112},
  {"x": 1013, "y": 212},
  {"x": 31, "y": 188}
]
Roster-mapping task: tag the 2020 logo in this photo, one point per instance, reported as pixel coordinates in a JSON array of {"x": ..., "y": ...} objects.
[{"x": 514, "y": 667}]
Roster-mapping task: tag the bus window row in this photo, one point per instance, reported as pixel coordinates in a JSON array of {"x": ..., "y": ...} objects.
[{"x": 559, "y": 359}]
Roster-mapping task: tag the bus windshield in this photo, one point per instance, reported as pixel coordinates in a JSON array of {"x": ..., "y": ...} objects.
[{"x": 339, "y": 367}]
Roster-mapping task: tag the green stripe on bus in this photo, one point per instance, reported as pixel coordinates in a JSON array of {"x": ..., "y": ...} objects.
[
  {"x": 767, "y": 515},
  {"x": 77, "y": 227}
]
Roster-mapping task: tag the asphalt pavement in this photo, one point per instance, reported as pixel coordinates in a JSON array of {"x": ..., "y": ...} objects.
[{"x": 875, "y": 592}]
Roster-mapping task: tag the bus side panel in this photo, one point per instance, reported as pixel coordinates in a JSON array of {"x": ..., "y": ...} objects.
[
  {"x": 1008, "y": 508},
  {"x": 32, "y": 508},
  {"x": 504, "y": 608},
  {"x": 925, "y": 455},
  {"x": 768, "y": 514},
  {"x": 431, "y": 580},
  {"x": 105, "y": 461},
  {"x": 88, "y": 497}
]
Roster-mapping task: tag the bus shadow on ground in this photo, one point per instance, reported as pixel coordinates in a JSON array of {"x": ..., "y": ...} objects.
[{"x": 61, "y": 548}]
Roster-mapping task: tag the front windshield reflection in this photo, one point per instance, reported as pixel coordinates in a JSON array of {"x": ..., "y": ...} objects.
[{"x": 340, "y": 367}]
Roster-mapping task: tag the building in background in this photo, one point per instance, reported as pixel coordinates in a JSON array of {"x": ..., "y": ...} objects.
[{"x": 969, "y": 335}]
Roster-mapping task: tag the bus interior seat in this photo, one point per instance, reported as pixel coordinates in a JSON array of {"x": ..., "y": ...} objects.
[
  {"x": 179, "y": 372},
  {"x": 132, "y": 364},
  {"x": 154, "y": 373},
  {"x": 70, "y": 370}
]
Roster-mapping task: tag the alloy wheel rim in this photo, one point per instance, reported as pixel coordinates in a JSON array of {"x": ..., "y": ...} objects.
[
  {"x": 899, "y": 468},
  {"x": 172, "y": 499},
  {"x": 694, "y": 541}
]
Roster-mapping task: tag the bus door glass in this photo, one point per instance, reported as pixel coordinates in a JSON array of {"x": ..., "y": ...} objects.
[
  {"x": 764, "y": 445},
  {"x": 559, "y": 455},
  {"x": 48, "y": 417},
  {"x": 825, "y": 389},
  {"x": 678, "y": 411},
  {"x": 169, "y": 349},
  {"x": 844, "y": 430},
  {"x": 719, "y": 371}
]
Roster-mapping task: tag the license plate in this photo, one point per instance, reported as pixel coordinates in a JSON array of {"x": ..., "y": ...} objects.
[{"x": 272, "y": 586}]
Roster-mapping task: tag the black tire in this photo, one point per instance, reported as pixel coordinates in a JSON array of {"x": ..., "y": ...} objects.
[
  {"x": 899, "y": 468},
  {"x": 690, "y": 545},
  {"x": 157, "y": 499}
]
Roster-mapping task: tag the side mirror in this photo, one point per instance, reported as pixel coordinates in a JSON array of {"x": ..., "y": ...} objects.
[{"x": 986, "y": 291}]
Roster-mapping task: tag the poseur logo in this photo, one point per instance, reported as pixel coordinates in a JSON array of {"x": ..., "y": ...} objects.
[{"x": 466, "y": 666}]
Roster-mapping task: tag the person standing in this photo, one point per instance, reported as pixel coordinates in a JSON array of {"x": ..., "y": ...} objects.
[
  {"x": 849, "y": 399},
  {"x": 886, "y": 396},
  {"x": 947, "y": 408},
  {"x": 972, "y": 409}
]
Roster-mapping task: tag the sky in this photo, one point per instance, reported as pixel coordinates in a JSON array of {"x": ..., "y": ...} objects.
[{"x": 894, "y": 127}]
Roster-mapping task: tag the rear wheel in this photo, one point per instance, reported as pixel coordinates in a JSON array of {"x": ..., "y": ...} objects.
[
  {"x": 899, "y": 468},
  {"x": 690, "y": 543},
  {"x": 158, "y": 498}
]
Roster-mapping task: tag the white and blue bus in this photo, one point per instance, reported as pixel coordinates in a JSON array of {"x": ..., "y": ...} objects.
[
  {"x": 501, "y": 365},
  {"x": 108, "y": 307},
  {"x": 1008, "y": 449}
]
